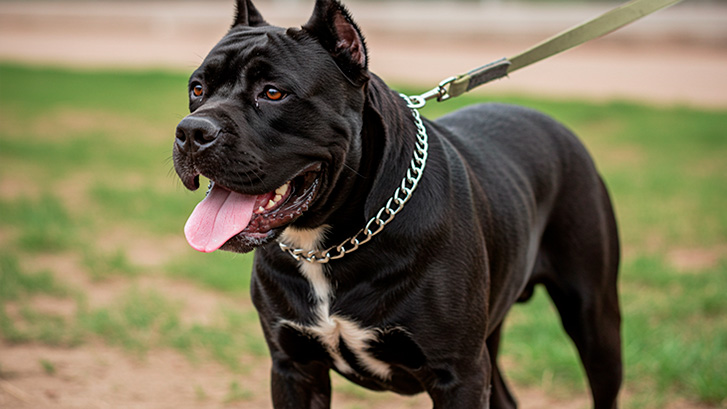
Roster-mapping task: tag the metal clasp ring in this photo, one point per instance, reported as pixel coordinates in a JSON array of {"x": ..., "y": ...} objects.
[{"x": 440, "y": 93}]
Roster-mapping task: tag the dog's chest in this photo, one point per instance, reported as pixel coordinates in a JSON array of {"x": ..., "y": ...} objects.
[{"x": 345, "y": 341}]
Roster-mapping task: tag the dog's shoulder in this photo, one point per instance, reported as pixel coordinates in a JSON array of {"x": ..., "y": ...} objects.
[
  {"x": 494, "y": 117},
  {"x": 522, "y": 133}
]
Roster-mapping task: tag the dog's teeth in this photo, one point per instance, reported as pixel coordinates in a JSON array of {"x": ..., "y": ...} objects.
[
  {"x": 260, "y": 209},
  {"x": 282, "y": 190},
  {"x": 270, "y": 204},
  {"x": 277, "y": 198}
]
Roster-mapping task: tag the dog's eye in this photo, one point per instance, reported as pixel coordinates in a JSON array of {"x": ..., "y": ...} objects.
[
  {"x": 273, "y": 94},
  {"x": 198, "y": 90}
]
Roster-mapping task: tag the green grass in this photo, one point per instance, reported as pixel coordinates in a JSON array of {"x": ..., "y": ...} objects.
[
  {"x": 48, "y": 367},
  {"x": 141, "y": 320},
  {"x": 680, "y": 323},
  {"x": 43, "y": 223},
  {"x": 16, "y": 284},
  {"x": 220, "y": 271},
  {"x": 103, "y": 266},
  {"x": 237, "y": 393},
  {"x": 137, "y": 320},
  {"x": 85, "y": 155},
  {"x": 19, "y": 321}
]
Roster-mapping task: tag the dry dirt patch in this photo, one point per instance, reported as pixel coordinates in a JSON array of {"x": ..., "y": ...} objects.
[
  {"x": 697, "y": 258},
  {"x": 99, "y": 376}
]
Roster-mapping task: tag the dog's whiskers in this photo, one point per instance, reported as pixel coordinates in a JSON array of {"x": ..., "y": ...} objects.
[{"x": 353, "y": 170}]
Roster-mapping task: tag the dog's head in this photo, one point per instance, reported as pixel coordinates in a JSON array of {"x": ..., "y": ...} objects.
[{"x": 275, "y": 121}]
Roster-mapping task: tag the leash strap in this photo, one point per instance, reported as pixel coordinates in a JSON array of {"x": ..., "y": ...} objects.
[{"x": 597, "y": 27}]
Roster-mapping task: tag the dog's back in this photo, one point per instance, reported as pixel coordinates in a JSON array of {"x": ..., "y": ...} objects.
[{"x": 539, "y": 180}]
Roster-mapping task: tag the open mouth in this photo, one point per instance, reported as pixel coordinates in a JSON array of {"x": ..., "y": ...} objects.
[{"x": 226, "y": 214}]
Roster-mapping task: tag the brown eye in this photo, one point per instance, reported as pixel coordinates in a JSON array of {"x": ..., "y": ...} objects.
[
  {"x": 273, "y": 94},
  {"x": 198, "y": 90}
]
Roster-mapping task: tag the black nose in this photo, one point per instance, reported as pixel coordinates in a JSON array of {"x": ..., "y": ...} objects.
[{"x": 194, "y": 133}]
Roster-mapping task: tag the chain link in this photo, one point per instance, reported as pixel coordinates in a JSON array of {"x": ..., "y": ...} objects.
[{"x": 386, "y": 214}]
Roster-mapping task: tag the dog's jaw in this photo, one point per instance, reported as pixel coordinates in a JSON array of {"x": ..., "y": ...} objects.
[{"x": 235, "y": 221}]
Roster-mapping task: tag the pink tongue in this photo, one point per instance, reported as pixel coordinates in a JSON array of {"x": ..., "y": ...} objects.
[{"x": 220, "y": 216}]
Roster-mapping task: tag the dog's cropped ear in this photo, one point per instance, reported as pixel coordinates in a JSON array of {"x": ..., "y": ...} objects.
[
  {"x": 247, "y": 15},
  {"x": 333, "y": 27}
]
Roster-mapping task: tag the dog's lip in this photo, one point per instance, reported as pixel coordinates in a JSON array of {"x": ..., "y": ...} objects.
[
  {"x": 296, "y": 196},
  {"x": 191, "y": 180},
  {"x": 314, "y": 168}
]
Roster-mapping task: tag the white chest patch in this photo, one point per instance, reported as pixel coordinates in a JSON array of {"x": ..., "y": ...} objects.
[{"x": 329, "y": 329}]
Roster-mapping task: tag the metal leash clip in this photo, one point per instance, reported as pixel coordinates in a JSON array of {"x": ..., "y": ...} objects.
[{"x": 440, "y": 93}]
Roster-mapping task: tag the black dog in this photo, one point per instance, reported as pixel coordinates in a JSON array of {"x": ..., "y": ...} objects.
[{"x": 304, "y": 146}]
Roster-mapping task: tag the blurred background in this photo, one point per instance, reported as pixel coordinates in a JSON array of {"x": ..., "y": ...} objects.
[
  {"x": 104, "y": 305},
  {"x": 675, "y": 55}
]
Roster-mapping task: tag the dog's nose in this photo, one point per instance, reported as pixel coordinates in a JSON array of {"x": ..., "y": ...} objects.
[{"x": 194, "y": 133}]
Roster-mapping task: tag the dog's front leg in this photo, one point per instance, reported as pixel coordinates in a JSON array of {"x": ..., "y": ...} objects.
[
  {"x": 296, "y": 386},
  {"x": 470, "y": 392}
]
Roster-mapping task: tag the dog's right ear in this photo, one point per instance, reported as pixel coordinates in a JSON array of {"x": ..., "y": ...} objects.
[
  {"x": 247, "y": 15},
  {"x": 332, "y": 25}
]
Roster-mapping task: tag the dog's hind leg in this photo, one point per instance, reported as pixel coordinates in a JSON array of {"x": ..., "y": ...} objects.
[
  {"x": 581, "y": 247},
  {"x": 500, "y": 397}
]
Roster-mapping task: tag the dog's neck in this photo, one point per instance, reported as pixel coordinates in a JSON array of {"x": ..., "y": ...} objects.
[
  {"x": 388, "y": 137},
  {"x": 382, "y": 155}
]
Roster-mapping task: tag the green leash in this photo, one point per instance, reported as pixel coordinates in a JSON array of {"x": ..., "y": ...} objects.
[{"x": 597, "y": 27}]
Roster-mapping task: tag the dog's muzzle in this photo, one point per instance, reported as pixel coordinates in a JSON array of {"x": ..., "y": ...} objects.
[{"x": 195, "y": 133}]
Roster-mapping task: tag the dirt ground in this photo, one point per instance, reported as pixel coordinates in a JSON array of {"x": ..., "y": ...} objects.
[
  {"x": 99, "y": 376},
  {"x": 677, "y": 57}
]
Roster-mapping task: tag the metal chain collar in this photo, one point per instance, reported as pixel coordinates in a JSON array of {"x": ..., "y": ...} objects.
[{"x": 387, "y": 213}]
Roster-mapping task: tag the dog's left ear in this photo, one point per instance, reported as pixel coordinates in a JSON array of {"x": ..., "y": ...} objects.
[
  {"x": 247, "y": 15},
  {"x": 332, "y": 25}
]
